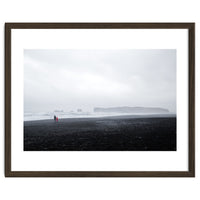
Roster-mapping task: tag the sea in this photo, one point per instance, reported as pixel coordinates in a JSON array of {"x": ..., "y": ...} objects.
[{"x": 32, "y": 116}]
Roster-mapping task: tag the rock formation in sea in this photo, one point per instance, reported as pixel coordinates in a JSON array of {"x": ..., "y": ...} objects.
[{"x": 127, "y": 109}]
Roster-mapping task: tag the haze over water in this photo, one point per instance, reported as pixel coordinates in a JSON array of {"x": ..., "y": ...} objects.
[{"x": 71, "y": 79}]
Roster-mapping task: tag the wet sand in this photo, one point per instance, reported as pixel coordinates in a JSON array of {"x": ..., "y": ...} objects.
[{"x": 125, "y": 133}]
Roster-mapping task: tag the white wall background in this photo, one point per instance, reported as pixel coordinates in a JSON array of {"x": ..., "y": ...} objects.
[{"x": 99, "y": 11}]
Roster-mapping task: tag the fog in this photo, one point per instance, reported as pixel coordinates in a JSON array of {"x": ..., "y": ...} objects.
[{"x": 71, "y": 79}]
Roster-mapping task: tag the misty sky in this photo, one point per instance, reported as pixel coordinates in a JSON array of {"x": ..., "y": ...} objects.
[{"x": 72, "y": 79}]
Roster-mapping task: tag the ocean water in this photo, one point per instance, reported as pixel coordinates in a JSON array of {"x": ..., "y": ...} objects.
[
  {"x": 29, "y": 116},
  {"x": 62, "y": 115}
]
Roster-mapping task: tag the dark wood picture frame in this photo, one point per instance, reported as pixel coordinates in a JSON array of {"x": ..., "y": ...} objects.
[{"x": 191, "y": 99}]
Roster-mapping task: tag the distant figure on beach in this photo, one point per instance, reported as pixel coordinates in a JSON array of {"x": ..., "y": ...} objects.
[
  {"x": 57, "y": 119},
  {"x": 54, "y": 118}
]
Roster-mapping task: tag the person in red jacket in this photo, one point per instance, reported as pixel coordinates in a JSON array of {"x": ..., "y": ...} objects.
[{"x": 57, "y": 119}]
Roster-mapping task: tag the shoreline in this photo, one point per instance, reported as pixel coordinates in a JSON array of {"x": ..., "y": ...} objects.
[{"x": 113, "y": 116}]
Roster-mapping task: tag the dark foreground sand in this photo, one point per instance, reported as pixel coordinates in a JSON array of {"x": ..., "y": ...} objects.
[{"x": 101, "y": 134}]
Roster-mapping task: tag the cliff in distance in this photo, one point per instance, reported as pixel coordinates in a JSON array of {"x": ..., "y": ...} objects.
[{"x": 127, "y": 109}]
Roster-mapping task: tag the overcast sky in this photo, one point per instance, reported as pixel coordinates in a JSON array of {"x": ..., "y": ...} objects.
[{"x": 72, "y": 79}]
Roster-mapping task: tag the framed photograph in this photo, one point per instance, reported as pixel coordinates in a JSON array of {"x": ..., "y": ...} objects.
[{"x": 99, "y": 99}]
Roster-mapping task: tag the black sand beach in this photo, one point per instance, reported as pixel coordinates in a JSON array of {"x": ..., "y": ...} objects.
[{"x": 125, "y": 133}]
